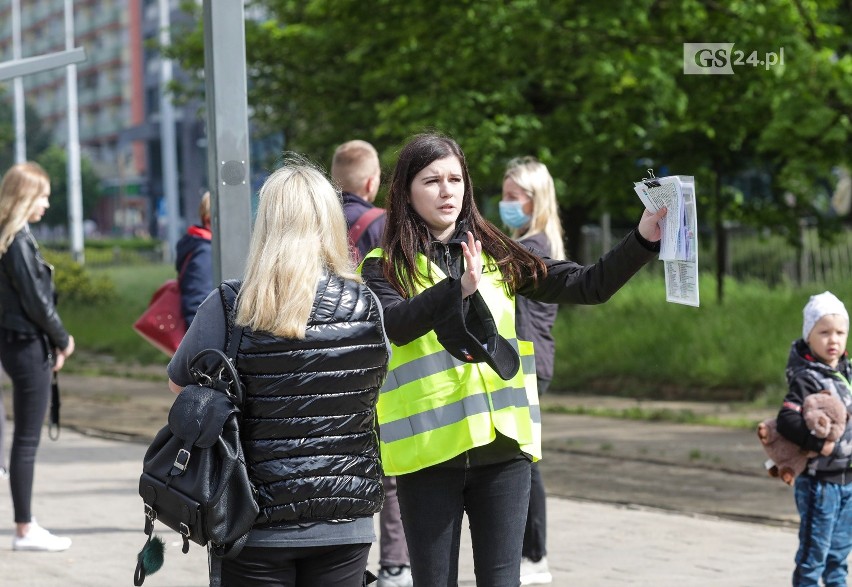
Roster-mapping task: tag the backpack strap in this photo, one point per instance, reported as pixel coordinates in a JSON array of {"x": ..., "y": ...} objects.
[
  {"x": 229, "y": 290},
  {"x": 363, "y": 223}
]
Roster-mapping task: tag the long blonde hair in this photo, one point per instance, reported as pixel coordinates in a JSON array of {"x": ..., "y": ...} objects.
[
  {"x": 22, "y": 185},
  {"x": 533, "y": 177},
  {"x": 299, "y": 234}
]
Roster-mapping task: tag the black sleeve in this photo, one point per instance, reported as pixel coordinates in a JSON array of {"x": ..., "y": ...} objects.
[
  {"x": 570, "y": 282},
  {"x": 407, "y": 319},
  {"x": 791, "y": 422},
  {"x": 36, "y": 302}
]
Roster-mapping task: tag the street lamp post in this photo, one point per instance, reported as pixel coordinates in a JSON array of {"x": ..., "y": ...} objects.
[{"x": 75, "y": 192}]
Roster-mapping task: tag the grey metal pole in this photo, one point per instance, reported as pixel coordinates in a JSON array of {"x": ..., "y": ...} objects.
[
  {"x": 227, "y": 135},
  {"x": 18, "y": 85},
  {"x": 75, "y": 192},
  {"x": 168, "y": 144},
  {"x": 30, "y": 65}
]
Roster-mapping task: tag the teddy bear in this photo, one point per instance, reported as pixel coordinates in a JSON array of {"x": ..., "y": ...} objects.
[{"x": 825, "y": 416}]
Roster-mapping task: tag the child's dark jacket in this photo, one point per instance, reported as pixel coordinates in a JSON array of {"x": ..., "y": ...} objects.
[{"x": 806, "y": 375}]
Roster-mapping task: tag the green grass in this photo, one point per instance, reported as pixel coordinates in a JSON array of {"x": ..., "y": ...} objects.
[
  {"x": 107, "y": 329},
  {"x": 657, "y": 415},
  {"x": 635, "y": 345},
  {"x": 638, "y": 345}
]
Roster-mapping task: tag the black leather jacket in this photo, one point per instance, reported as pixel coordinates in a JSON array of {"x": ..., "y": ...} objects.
[{"x": 27, "y": 295}]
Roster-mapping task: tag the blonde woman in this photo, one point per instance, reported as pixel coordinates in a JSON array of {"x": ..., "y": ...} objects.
[
  {"x": 33, "y": 341},
  {"x": 312, "y": 357},
  {"x": 529, "y": 209}
]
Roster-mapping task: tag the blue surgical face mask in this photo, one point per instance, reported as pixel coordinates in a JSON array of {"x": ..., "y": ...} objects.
[{"x": 512, "y": 215}]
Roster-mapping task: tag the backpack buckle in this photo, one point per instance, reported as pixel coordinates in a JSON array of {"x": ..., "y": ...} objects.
[{"x": 182, "y": 464}]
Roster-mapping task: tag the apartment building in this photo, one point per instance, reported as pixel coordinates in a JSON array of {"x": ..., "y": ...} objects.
[{"x": 118, "y": 100}]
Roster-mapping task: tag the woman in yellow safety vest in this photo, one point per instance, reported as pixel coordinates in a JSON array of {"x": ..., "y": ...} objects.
[{"x": 458, "y": 415}]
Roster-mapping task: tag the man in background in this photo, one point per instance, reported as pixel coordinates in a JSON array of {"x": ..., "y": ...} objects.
[{"x": 357, "y": 171}]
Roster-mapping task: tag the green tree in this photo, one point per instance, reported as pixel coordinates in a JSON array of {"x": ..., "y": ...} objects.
[
  {"x": 505, "y": 79},
  {"x": 38, "y": 137},
  {"x": 591, "y": 88},
  {"x": 55, "y": 163},
  {"x": 790, "y": 123}
]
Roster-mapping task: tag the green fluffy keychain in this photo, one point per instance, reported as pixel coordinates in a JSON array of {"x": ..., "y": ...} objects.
[{"x": 150, "y": 558}]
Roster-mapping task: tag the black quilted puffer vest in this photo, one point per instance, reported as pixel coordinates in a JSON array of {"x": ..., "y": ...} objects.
[{"x": 309, "y": 419}]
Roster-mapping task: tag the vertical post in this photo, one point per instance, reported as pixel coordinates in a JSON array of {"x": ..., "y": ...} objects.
[
  {"x": 18, "y": 84},
  {"x": 75, "y": 193},
  {"x": 168, "y": 145},
  {"x": 227, "y": 135}
]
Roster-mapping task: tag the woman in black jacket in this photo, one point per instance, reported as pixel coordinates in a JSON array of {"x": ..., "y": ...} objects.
[
  {"x": 459, "y": 438},
  {"x": 33, "y": 341},
  {"x": 312, "y": 357}
]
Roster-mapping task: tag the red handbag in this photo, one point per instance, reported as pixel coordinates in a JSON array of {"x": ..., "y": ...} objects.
[{"x": 162, "y": 323}]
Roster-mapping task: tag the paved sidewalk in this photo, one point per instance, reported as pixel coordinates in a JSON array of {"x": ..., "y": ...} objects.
[{"x": 86, "y": 489}]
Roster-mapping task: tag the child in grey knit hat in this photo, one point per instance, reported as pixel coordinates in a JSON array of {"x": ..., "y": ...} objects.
[
  {"x": 825, "y": 327},
  {"x": 818, "y": 361}
]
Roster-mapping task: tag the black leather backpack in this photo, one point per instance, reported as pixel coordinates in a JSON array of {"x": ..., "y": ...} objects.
[{"x": 194, "y": 476}]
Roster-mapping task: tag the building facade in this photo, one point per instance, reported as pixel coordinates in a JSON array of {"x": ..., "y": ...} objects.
[{"x": 118, "y": 103}]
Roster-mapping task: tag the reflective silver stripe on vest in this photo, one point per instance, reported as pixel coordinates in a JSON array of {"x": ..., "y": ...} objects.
[
  {"x": 527, "y": 362},
  {"x": 437, "y": 363},
  {"x": 528, "y": 367},
  {"x": 419, "y": 369},
  {"x": 456, "y": 412}
]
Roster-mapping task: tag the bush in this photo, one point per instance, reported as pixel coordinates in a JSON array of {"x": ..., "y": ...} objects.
[
  {"x": 116, "y": 251},
  {"x": 74, "y": 284}
]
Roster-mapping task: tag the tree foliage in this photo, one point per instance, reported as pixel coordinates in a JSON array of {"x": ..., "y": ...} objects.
[
  {"x": 55, "y": 163},
  {"x": 41, "y": 148},
  {"x": 38, "y": 137},
  {"x": 596, "y": 90}
]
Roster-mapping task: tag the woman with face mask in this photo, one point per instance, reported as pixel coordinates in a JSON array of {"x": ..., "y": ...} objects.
[
  {"x": 530, "y": 211},
  {"x": 458, "y": 415}
]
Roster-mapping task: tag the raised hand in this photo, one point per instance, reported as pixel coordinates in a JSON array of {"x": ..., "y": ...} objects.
[{"x": 472, "y": 250}]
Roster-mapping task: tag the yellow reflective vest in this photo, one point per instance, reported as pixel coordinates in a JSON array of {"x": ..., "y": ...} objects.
[{"x": 434, "y": 407}]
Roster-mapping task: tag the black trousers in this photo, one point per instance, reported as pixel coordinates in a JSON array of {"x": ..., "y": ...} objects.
[
  {"x": 535, "y": 533},
  {"x": 27, "y": 363},
  {"x": 313, "y": 566}
]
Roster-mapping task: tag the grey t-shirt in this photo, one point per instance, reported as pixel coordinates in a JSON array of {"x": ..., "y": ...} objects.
[{"x": 209, "y": 330}]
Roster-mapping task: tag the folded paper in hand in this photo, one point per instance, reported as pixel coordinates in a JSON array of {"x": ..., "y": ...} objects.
[{"x": 679, "y": 245}]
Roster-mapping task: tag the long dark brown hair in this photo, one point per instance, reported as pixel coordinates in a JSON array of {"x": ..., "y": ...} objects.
[{"x": 406, "y": 234}]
